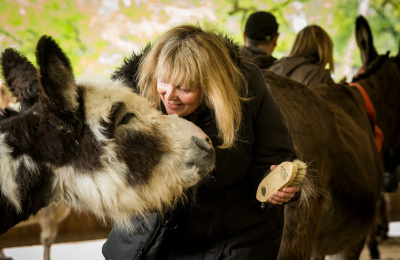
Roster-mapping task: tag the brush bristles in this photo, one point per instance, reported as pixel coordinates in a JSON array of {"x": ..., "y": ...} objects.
[
  {"x": 301, "y": 173},
  {"x": 308, "y": 188}
]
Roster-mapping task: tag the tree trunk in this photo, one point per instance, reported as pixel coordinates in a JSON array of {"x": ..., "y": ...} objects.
[{"x": 346, "y": 69}]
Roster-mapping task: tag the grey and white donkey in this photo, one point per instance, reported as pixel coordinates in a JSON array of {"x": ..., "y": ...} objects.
[{"x": 94, "y": 144}]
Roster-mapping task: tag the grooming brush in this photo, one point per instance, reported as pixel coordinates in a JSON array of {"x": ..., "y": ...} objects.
[{"x": 284, "y": 175}]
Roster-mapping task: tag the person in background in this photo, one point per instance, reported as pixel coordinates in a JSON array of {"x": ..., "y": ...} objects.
[
  {"x": 260, "y": 39},
  {"x": 311, "y": 52},
  {"x": 198, "y": 75}
]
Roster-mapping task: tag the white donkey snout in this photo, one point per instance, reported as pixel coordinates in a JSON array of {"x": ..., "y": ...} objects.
[
  {"x": 201, "y": 157},
  {"x": 199, "y": 154}
]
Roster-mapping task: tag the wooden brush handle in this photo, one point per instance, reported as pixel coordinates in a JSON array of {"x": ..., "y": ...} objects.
[{"x": 276, "y": 180}]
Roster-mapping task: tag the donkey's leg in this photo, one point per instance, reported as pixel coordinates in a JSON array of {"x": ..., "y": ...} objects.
[
  {"x": 299, "y": 231},
  {"x": 383, "y": 222},
  {"x": 3, "y": 256},
  {"x": 49, "y": 230},
  {"x": 49, "y": 220},
  {"x": 379, "y": 229},
  {"x": 372, "y": 242},
  {"x": 355, "y": 251}
]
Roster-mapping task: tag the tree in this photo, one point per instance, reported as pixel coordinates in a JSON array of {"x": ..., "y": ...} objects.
[
  {"x": 97, "y": 35},
  {"x": 347, "y": 62}
]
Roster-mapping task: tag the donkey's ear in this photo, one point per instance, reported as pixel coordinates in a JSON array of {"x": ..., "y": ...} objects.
[
  {"x": 365, "y": 41},
  {"x": 58, "y": 87},
  {"x": 20, "y": 76}
]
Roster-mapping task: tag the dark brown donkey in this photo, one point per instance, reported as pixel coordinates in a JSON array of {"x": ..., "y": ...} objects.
[{"x": 332, "y": 132}]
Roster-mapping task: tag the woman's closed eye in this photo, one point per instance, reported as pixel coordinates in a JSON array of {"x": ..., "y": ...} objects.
[
  {"x": 183, "y": 89},
  {"x": 180, "y": 88}
]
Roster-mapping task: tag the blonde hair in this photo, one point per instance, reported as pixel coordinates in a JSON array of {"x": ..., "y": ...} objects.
[
  {"x": 6, "y": 99},
  {"x": 314, "y": 41},
  {"x": 189, "y": 56}
]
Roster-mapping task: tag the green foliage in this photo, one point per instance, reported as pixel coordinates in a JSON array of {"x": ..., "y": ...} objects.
[
  {"x": 97, "y": 35},
  {"x": 384, "y": 19},
  {"x": 23, "y": 25}
]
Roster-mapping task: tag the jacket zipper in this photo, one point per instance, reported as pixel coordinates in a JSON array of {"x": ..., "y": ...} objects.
[{"x": 153, "y": 232}]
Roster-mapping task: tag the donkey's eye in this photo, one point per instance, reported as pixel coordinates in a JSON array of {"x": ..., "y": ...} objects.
[{"x": 126, "y": 118}]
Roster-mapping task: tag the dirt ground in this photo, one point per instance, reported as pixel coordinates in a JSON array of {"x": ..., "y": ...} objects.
[{"x": 389, "y": 250}]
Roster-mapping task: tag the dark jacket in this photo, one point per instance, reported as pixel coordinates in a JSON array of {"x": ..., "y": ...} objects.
[
  {"x": 302, "y": 69},
  {"x": 257, "y": 56},
  {"x": 225, "y": 220}
]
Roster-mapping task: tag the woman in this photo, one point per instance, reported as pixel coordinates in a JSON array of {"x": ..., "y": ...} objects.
[
  {"x": 311, "y": 52},
  {"x": 198, "y": 75}
]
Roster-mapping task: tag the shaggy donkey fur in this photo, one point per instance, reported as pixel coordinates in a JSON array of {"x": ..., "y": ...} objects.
[
  {"x": 26, "y": 92},
  {"x": 95, "y": 145},
  {"x": 330, "y": 128}
]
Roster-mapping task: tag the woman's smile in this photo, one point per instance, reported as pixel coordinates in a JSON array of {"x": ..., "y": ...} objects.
[{"x": 172, "y": 106}]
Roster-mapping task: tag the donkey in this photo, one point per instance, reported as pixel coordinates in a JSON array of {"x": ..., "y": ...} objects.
[
  {"x": 26, "y": 94},
  {"x": 332, "y": 132},
  {"x": 95, "y": 145},
  {"x": 391, "y": 154}
]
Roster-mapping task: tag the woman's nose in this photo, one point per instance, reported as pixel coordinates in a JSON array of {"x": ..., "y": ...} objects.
[{"x": 170, "y": 92}]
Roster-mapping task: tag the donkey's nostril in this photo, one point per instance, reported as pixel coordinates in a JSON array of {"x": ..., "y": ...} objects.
[{"x": 203, "y": 143}]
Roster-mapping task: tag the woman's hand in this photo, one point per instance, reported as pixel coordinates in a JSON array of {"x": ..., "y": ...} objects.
[{"x": 284, "y": 195}]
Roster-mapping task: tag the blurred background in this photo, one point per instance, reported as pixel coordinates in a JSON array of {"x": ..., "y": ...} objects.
[{"x": 97, "y": 35}]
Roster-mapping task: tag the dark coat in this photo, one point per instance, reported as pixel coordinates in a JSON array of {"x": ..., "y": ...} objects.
[
  {"x": 225, "y": 221},
  {"x": 257, "y": 56},
  {"x": 226, "y": 214},
  {"x": 302, "y": 69}
]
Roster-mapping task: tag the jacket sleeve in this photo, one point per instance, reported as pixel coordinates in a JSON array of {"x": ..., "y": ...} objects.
[
  {"x": 272, "y": 142},
  {"x": 124, "y": 245}
]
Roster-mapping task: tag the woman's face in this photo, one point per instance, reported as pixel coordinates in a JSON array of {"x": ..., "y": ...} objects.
[{"x": 177, "y": 99}]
